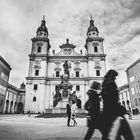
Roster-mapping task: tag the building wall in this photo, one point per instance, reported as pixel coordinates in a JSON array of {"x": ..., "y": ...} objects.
[
  {"x": 125, "y": 96},
  {"x": 14, "y": 100},
  {"x": 4, "y": 78},
  {"x": 133, "y": 76}
]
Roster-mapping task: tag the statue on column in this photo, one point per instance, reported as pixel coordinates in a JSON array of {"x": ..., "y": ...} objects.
[
  {"x": 66, "y": 68},
  {"x": 57, "y": 97},
  {"x": 63, "y": 90}
]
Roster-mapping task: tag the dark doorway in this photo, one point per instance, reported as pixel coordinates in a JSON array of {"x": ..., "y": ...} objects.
[
  {"x": 7, "y": 106},
  {"x": 11, "y": 107},
  {"x": 20, "y": 107}
]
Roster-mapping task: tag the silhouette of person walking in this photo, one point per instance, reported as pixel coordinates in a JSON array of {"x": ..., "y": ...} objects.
[
  {"x": 68, "y": 107},
  {"x": 93, "y": 108},
  {"x": 73, "y": 113},
  {"x": 29, "y": 113},
  {"x": 113, "y": 111}
]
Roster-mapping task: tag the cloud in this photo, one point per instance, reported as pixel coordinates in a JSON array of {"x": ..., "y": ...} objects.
[{"x": 117, "y": 22}]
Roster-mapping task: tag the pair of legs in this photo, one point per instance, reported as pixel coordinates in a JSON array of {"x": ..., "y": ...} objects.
[
  {"x": 89, "y": 133},
  {"x": 68, "y": 121},
  {"x": 74, "y": 121}
]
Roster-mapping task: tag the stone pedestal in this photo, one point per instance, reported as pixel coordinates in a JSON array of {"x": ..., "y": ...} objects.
[{"x": 62, "y": 104}]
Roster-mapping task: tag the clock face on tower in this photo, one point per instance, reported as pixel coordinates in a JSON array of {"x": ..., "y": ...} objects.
[{"x": 67, "y": 51}]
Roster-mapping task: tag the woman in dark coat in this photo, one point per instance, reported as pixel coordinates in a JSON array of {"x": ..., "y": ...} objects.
[
  {"x": 112, "y": 109},
  {"x": 93, "y": 108},
  {"x": 68, "y": 107}
]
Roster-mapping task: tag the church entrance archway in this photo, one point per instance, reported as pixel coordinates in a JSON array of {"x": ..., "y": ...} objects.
[{"x": 78, "y": 103}]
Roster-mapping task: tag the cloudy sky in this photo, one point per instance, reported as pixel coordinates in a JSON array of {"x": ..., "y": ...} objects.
[{"x": 118, "y": 22}]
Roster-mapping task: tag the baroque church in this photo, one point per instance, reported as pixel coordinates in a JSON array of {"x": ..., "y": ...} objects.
[{"x": 45, "y": 69}]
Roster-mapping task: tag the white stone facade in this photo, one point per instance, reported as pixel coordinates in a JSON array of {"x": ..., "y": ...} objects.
[
  {"x": 124, "y": 96},
  {"x": 133, "y": 77},
  {"x": 45, "y": 69},
  {"x": 14, "y": 100}
]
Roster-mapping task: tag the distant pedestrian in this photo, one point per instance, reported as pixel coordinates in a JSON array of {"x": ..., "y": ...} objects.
[
  {"x": 113, "y": 112},
  {"x": 93, "y": 108},
  {"x": 29, "y": 114},
  {"x": 68, "y": 109},
  {"x": 73, "y": 113}
]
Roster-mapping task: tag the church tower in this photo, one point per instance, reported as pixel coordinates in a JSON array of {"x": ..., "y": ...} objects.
[
  {"x": 37, "y": 74},
  {"x": 95, "y": 54}
]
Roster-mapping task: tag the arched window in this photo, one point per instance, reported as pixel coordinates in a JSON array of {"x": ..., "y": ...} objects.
[
  {"x": 77, "y": 73},
  {"x": 127, "y": 102},
  {"x": 57, "y": 74},
  {"x": 95, "y": 49},
  {"x": 36, "y": 72},
  {"x": 7, "y": 106},
  {"x": 39, "y": 49},
  {"x": 97, "y": 72},
  {"x": 123, "y": 102},
  {"x": 34, "y": 99}
]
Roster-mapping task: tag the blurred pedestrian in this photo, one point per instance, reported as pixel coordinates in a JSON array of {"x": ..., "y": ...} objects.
[
  {"x": 93, "y": 107},
  {"x": 129, "y": 110},
  {"x": 68, "y": 109},
  {"x": 113, "y": 112},
  {"x": 29, "y": 114},
  {"x": 73, "y": 113}
]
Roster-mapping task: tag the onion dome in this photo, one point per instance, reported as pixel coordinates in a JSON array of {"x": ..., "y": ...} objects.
[
  {"x": 92, "y": 27},
  {"x": 43, "y": 26}
]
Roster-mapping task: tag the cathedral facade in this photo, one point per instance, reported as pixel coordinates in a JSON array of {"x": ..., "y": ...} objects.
[{"x": 45, "y": 70}]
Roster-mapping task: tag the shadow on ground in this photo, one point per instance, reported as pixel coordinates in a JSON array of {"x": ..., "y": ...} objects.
[{"x": 59, "y": 115}]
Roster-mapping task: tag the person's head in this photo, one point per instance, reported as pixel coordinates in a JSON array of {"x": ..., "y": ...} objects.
[
  {"x": 111, "y": 74},
  {"x": 95, "y": 85}
]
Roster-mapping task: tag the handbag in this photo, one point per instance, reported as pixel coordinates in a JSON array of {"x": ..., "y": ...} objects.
[{"x": 120, "y": 129}]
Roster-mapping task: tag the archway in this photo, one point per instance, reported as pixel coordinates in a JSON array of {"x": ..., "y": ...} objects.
[
  {"x": 15, "y": 107},
  {"x": 20, "y": 107},
  {"x": 7, "y": 106},
  {"x": 11, "y": 106}
]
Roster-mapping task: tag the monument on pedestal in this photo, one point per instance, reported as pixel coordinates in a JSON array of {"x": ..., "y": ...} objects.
[{"x": 63, "y": 91}]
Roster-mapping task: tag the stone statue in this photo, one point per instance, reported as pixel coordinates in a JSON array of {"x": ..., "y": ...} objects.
[
  {"x": 66, "y": 68},
  {"x": 57, "y": 97},
  {"x": 65, "y": 87},
  {"x": 73, "y": 97}
]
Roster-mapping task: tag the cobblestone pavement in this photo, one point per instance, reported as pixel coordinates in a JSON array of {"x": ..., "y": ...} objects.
[{"x": 22, "y": 127}]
